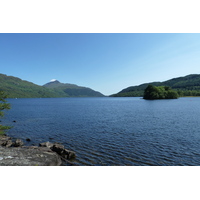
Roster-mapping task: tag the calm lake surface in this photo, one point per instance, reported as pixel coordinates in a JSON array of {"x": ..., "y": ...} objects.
[{"x": 112, "y": 131}]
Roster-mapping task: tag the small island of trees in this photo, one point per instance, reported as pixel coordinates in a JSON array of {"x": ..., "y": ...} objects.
[{"x": 159, "y": 92}]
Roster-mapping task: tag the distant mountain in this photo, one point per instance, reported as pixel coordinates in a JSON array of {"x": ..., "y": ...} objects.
[
  {"x": 185, "y": 86},
  {"x": 56, "y": 84},
  {"x": 17, "y": 88},
  {"x": 72, "y": 90}
]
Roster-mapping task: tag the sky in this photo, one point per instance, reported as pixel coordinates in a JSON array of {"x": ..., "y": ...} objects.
[{"x": 105, "y": 62}]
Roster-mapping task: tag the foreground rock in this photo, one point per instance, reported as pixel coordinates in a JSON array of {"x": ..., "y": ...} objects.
[
  {"x": 6, "y": 141},
  {"x": 47, "y": 154},
  {"x": 26, "y": 156},
  {"x": 59, "y": 149}
]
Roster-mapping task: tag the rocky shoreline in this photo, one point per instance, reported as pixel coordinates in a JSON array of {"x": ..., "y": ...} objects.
[{"x": 13, "y": 153}]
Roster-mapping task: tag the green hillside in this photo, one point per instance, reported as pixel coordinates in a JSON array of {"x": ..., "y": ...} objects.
[
  {"x": 17, "y": 88},
  {"x": 72, "y": 90},
  {"x": 185, "y": 86}
]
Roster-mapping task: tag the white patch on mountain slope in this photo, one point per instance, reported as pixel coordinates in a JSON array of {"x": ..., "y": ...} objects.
[{"x": 53, "y": 80}]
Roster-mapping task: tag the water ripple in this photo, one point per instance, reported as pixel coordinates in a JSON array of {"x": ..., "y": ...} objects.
[{"x": 112, "y": 131}]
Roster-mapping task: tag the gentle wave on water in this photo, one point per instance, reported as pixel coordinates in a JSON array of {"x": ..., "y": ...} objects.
[{"x": 112, "y": 131}]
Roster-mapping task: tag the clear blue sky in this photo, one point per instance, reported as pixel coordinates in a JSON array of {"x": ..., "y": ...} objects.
[{"x": 104, "y": 62}]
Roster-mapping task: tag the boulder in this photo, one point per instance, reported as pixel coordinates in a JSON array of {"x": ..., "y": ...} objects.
[
  {"x": 18, "y": 143},
  {"x": 4, "y": 138},
  {"x": 9, "y": 143},
  {"x": 58, "y": 148},
  {"x": 68, "y": 154},
  {"x": 6, "y": 141},
  {"x": 46, "y": 144},
  {"x": 71, "y": 155},
  {"x": 64, "y": 153}
]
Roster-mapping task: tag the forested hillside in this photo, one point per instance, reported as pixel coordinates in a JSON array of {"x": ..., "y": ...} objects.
[
  {"x": 185, "y": 86},
  {"x": 17, "y": 88},
  {"x": 73, "y": 90}
]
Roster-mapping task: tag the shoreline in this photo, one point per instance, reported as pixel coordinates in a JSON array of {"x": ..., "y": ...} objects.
[{"x": 14, "y": 153}]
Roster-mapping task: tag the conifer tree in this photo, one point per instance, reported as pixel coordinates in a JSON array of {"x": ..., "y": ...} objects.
[{"x": 3, "y": 106}]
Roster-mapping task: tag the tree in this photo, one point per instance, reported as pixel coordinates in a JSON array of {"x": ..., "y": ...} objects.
[
  {"x": 3, "y": 106},
  {"x": 172, "y": 94},
  {"x": 160, "y": 92},
  {"x": 148, "y": 92}
]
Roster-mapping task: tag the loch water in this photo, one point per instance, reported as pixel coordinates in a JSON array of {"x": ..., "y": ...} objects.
[{"x": 110, "y": 131}]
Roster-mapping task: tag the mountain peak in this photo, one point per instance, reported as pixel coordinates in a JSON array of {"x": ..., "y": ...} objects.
[
  {"x": 53, "y": 83},
  {"x": 54, "y": 80}
]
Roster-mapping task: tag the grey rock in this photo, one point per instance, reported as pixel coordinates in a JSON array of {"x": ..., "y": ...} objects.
[
  {"x": 3, "y": 143},
  {"x": 6, "y": 141},
  {"x": 68, "y": 154},
  {"x": 46, "y": 144},
  {"x": 71, "y": 155},
  {"x": 18, "y": 143},
  {"x": 58, "y": 148},
  {"x": 9, "y": 143},
  {"x": 24, "y": 156},
  {"x": 65, "y": 153},
  {"x": 47, "y": 154}
]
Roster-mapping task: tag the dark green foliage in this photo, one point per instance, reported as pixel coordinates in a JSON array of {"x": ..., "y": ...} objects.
[
  {"x": 159, "y": 92},
  {"x": 184, "y": 86},
  {"x": 3, "y": 129},
  {"x": 3, "y": 106}
]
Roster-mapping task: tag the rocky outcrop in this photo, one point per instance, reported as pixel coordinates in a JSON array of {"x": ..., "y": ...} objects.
[
  {"x": 47, "y": 154},
  {"x": 18, "y": 143},
  {"x": 25, "y": 156},
  {"x": 6, "y": 141},
  {"x": 59, "y": 149},
  {"x": 46, "y": 144}
]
